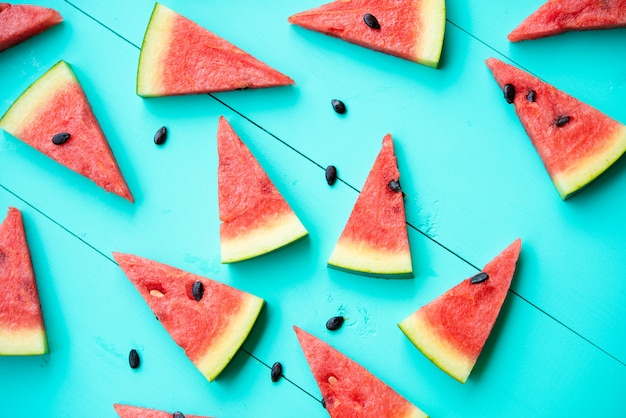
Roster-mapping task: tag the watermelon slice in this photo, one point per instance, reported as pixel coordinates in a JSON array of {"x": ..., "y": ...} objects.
[
  {"x": 348, "y": 389},
  {"x": 180, "y": 57},
  {"x": 211, "y": 327},
  {"x": 374, "y": 241},
  {"x": 128, "y": 411},
  {"x": 56, "y": 104},
  {"x": 452, "y": 329},
  {"x": 22, "y": 330},
  {"x": 411, "y": 29},
  {"x": 19, "y": 22},
  {"x": 255, "y": 217},
  {"x": 558, "y": 16},
  {"x": 576, "y": 142}
]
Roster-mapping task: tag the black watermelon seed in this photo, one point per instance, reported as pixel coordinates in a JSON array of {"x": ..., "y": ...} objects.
[
  {"x": 178, "y": 414},
  {"x": 509, "y": 92},
  {"x": 324, "y": 403},
  {"x": 331, "y": 175},
  {"x": 334, "y": 323},
  {"x": 531, "y": 96},
  {"x": 561, "y": 120},
  {"x": 394, "y": 185},
  {"x": 60, "y": 138},
  {"x": 133, "y": 359},
  {"x": 479, "y": 278},
  {"x": 371, "y": 21},
  {"x": 160, "y": 136},
  {"x": 277, "y": 371},
  {"x": 338, "y": 106},
  {"x": 197, "y": 290}
]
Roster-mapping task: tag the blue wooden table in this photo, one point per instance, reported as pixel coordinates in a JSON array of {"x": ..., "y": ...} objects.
[{"x": 473, "y": 181}]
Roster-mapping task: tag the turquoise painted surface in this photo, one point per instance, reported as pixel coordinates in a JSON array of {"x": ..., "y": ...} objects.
[{"x": 473, "y": 184}]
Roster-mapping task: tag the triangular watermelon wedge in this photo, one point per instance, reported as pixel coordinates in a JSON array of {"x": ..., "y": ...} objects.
[
  {"x": 56, "y": 104},
  {"x": 178, "y": 57},
  {"x": 558, "y": 16},
  {"x": 412, "y": 29},
  {"x": 255, "y": 217},
  {"x": 210, "y": 328},
  {"x": 19, "y": 22},
  {"x": 22, "y": 329},
  {"x": 576, "y": 142},
  {"x": 452, "y": 329},
  {"x": 348, "y": 389},
  {"x": 129, "y": 411},
  {"x": 375, "y": 241}
]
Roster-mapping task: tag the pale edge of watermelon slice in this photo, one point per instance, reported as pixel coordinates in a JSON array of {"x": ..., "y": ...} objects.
[
  {"x": 217, "y": 357},
  {"x": 354, "y": 258},
  {"x": 419, "y": 331},
  {"x": 152, "y": 51},
  {"x": 433, "y": 15},
  {"x": 282, "y": 230},
  {"x": 588, "y": 169}
]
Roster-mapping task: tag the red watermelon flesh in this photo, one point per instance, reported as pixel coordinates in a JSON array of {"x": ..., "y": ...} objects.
[
  {"x": 452, "y": 329},
  {"x": 211, "y": 329},
  {"x": 348, "y": 389},
  {"x": 575, "y": 153},
  {"x": 412, "y": 30},
  {"x": 128, "y": 411},
  {"x": 375, "y": 240},
  {"x": 56, "y": 103},
  {"x": 558, "y": 16},
  {"x": 255, "y": 217},
  {"x": 22, "y": 329},
  {"x": 19, "y": 22},
  {"x": 178, "y": 57}
]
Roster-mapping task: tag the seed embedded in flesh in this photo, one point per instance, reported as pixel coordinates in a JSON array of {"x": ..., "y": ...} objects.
[
  {"x": 160, "y": 136},
  {"x": 324, "y": 403},
  {"x": 60, "y": 138},
  {"x": 531, "y": 96},
  {"x": 334, "y": 323},
  {"x": 371, "y": 21},
  {"x": 479, "y": 278},
  {"x": 509, "y": 93},
  {"x": 277, "y": 371},
  {"x": 178, "y": 414},
  {"x": 394, "y": 186},
  {"x": 338, "y": 106},
  {"x": 133, "y": 359},
  {"x": 197, "y": 290},
  {"x": 331, "y": 175},
  {"x": 561, "y": 120}
]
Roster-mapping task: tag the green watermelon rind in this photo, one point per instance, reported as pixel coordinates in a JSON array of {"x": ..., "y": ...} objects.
[
  {"x": 284, "y": 230},
  {"x": 214, "y": 360},
  {"x": 423, "y": 336},
  {"x": 435, "y": 16},
  {"x": 152, "y": 51},
  {"x": 372, "y": 262},
  {"x": 587, "y": 170}
]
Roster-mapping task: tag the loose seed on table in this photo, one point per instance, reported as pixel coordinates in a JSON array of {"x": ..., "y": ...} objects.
[
  {"x": 334, "y": 323},
  {"x": 160, "y": 136},
  {"x": 178, "y": 414},
  {"x": 60, "y": 138},
  {"x": 394, "y": 185},
  {"x": 509, "y": 93},
  {"x": 133, "y": 359},
  {"x": 479, "y": 278},
  {"x": 277, "y": 371},
  {"x": 197, "y": 290},
  {"x": 531, "y": 96},
  {"x": 338, "y": 106},
  {"x": 561, "y": 120},
  {"x": 371, "y": 21},
  {"x": 331, "y": 175}
]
